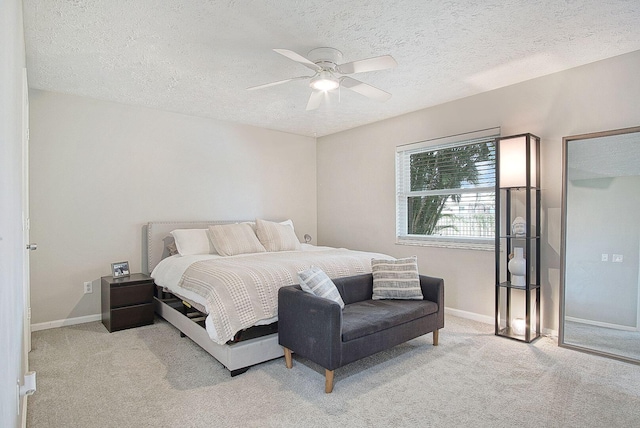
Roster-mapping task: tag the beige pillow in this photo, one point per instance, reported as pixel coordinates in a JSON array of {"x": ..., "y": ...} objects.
[
  {"x": 232, "y": 239},
  {"x": 396, "y": 279},
  {"x": 276, "y": 236}
]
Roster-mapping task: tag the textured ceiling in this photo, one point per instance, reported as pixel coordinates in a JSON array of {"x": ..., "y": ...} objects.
[{"x": 197, "y": 57}]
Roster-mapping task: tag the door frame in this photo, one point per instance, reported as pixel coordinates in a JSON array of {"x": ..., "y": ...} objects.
[{"x": 26, "y": 285}]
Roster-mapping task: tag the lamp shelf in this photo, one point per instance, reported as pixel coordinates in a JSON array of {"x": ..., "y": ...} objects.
[
  {"x": 519, "y": 188},
  {"x": 518, "y": 198},
  {"x": 507, "y": 284},
  {"x": 510, "y": 334}
]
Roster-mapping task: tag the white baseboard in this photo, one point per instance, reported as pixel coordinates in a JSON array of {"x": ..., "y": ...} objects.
[
  {"x": 602, "y": 324},
  {"x": 469, "y": 315},
  {"x": 490, "y": 320},
  {"x": 65, "y": 322}
]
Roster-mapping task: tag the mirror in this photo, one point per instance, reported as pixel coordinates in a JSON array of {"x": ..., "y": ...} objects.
[{"x": 600, "y": 271}]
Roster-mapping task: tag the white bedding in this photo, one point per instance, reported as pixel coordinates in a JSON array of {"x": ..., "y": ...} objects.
[
  {"x": 220, "y": 325},
  {"x": 168, "y": 274}
]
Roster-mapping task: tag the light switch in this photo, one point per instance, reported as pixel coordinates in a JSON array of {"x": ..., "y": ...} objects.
[
  {"x": 605, "y": 257},
  {"x": 616, "y": 258}
]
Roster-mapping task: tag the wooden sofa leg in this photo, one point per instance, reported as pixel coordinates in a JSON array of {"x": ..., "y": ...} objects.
[
  {"x": 287, "y": 358},
  {"x": 328, "y": 381},
  {"x": 435, "y": 337}
]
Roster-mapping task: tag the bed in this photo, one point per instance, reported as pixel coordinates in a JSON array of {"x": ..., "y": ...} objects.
[{"x": 224, "y": 297}]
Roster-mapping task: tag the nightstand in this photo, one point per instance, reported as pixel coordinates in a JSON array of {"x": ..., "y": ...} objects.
[{"x": 127, "y": 301}]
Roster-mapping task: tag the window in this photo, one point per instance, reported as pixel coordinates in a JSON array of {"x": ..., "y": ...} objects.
[{"x": 446, "y": 191}]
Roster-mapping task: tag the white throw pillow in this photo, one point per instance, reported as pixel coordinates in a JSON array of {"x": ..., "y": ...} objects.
[
  {"x": 232, "y": 239},
  {"x": 316, "y": 282},
  {"x": 288, "y": 222},
  {"x": 192, "y": 241},
  {"x": 277, "y": 236}
]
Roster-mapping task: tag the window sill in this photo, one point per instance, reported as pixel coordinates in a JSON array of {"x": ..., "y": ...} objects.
[{"x": 478, "y": 246}]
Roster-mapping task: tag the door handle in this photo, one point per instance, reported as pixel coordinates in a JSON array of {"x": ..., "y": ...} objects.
[{"x": 32, "y": 247}]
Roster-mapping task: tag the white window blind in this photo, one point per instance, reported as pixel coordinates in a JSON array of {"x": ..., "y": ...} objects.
[{"x": 446, "y": 190}]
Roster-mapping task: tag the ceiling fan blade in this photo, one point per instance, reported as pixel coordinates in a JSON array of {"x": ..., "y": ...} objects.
[
  {"x": 364, "y": 89},
  {"x": 279, "y": 82},
  {"x": 298, "y": 58},
  {"x": 372, "y": 64},
  {"x": 315, "y": 100}
]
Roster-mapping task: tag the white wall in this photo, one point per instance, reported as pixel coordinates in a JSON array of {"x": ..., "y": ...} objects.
[
  {"x": 356, "y": 170},
  {"x": 101, "y": 170},
  {"x": 602, "y": 218},
  {"x": 12, "y": 254}
]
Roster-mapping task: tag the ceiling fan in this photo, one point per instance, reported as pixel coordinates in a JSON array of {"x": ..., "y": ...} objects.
[{"x": 329, "y": 74}]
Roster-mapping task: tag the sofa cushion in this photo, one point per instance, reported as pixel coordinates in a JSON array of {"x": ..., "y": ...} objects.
[
  {"x": 355, "y": 288},
  {"x": 371, "y": 316}
]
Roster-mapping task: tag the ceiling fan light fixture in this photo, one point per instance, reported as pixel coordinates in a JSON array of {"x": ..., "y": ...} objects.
[
  {"x": 324, "y": 81},
  {"x": 329, "y": 71}
]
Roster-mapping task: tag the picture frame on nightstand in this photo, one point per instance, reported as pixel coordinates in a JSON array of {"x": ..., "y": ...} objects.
[{"x": 120, "y": 269}]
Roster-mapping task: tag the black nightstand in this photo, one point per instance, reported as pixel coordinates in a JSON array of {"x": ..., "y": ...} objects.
[{"x": 127, "y": 302}]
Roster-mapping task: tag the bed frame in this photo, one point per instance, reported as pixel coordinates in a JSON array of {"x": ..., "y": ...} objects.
[{"x": 236, "y": 356}]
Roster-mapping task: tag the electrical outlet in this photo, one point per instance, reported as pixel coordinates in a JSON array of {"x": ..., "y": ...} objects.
[
  {"x": 88, "y": 287},
  {"x": 616, "y": 258},
  {"x": 605, "y": 257}
]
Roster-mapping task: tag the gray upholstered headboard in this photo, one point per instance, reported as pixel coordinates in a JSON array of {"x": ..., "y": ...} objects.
[{"x": 158, "y": 236}]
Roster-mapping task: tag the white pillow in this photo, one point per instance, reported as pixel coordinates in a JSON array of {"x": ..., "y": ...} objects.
[
  {"x": 316, "y": 282},
  {"x": 236, "y": 238},
  {"x": 192, "y": 241},
  {"x": 277, "y": 236},
  {"x": 288, "y": 223}
]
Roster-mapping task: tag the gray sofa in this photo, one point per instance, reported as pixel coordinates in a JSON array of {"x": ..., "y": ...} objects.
[{"x": 317, "y": 329}]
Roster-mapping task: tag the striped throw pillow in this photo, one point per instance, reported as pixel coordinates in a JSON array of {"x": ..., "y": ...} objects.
[
  {"x": 235, "y": 238},
  {"x": 277, "y": 236},
  {"x": 316, "y": 282},
  {"x": 396, "y": 279}
]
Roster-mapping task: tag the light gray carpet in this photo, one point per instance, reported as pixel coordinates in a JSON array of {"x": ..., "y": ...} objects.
[{"x": 150, "y": 377}]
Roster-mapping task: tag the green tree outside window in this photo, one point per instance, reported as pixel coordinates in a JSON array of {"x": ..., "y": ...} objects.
[{"x": 448, "y": 169}]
